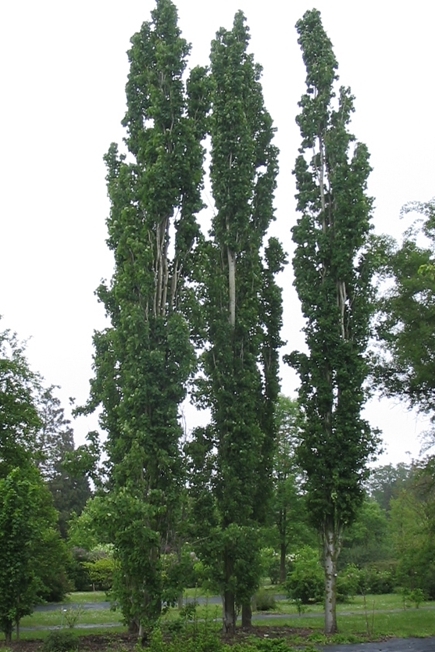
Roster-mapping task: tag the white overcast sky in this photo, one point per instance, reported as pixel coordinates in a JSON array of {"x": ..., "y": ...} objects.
[{"x": 63, "y": 71}]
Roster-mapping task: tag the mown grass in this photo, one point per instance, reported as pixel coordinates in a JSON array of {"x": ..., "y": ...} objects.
[
  {"x": 82, "y": 597},
  {"x": 371, "y": 618},
  {"x": 65, "y": 614},
  {"x": 357, "y": 627}
]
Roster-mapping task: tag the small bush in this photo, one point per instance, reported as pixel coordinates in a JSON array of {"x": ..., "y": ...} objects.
[
  {"x": 269, "y": 560},
  {"x": 202, "y": 641},
  {"x": 305, "y": 581},
  {"x": 348, "y": 583},
  {"x": 101, "y": 573},
  {"x": 417, "y": 597},
  {"x": 377, "y": 580},
  {"x": 62, "y": 640},
  {"x": 263, "y": 601},
  {"x": 71, "y": 615},
  {"x": 271, "y": 645}
]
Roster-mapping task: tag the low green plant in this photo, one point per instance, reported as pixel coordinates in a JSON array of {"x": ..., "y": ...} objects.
[
  {"x": 305, "y": 580},
  {"x": 369, "y": 618},
  {"x": 71, "y": 615},
  {"x": 417, "y": 597},
  {"x": 269, "y": 645},
  {"x": 263, "y": 601},
  {"x": 300, "y": 606},
  {"x": 405, "y": 593},
  {"x": 62, "y": 640},
  {"x": 348, "y": 583},
  {"x": 203, "y": 639}
]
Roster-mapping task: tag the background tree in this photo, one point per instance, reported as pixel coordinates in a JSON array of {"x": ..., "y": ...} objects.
[
  {"x": 412, "y": 527},
  {"x": 387, "y": 481},
  {"x": 144, "y": 359},
  {"x": 289, "y": 502},
  {"x": 367, "y": 540},
  {"x": 241, "y": 310},
  {"x": 19, "y": 417},
  {"x": 333, "y": 279},
  {"x": 55, "y": 440},
  {"x": 32, "y": 557},
  {"x": 405, "y": 325}
]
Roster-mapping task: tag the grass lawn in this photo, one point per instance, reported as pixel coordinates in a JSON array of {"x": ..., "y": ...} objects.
[
  {"x": 81, "y": 597},
  {"x": 373, "y": 618},
  {"x": 64, "y": 615}
]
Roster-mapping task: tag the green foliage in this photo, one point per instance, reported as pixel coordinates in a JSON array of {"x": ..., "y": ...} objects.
[
  {"x": 412, "y": 529},
  {"x": 348, "y": 583},
  {"x": 332, "y": 276},
  {"x": 144, "y": 359},
  {"x": 101, "y": 573},
  {"x": 52, "y": 561},
  {"x": 197, "y": 639},
  {"x": 71, "y": 615},
  {"x": 19, "y": 417},
  {"x": 269, "y": 560},
  {"x": 333, "y": 269},
  {"x": 368, "y": 539},
  {"x": 305, "y": 581},
  {"x": 55, "y": 441},
  {"x": 263, "y": 601},
  {"x": 78, "y": 573},
  {"x": 405, "y": 365},
  {"x": 378, "y": 579},
  {"x": 28, "y": 545},
  {"x": 82, "y": 529},
  {"x": 63, "y": 640},
  {"x": 271, "y": 645},
  {"x": 290, "y": 516},
  {"x": 239, "y": 327},
  {"x": 32, "y": 557},
  {"x": 386, "y": 482}
]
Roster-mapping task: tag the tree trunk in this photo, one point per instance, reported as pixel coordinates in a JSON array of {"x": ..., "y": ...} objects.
[
  {"x": 232, "y": 286},
  {"x": 331, "y": 550},
  {"x": 228, "y": 599},
  {"x": 282, "y": 564},
  {"x": 8, "y": 632},
  {"x": 133, "y": 627},
  {"x": 229, "y": 625},
  {"x": 247, "y": 615}
]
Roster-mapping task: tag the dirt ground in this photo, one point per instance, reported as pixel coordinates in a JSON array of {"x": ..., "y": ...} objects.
[{"x": 128, "y": 643}]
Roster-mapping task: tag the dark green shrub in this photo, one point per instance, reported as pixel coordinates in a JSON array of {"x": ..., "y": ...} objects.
[
  {"x": 263, "y": 601},
  {"x": 77, "y": 571},
  {"x": 377, "y": 579},
  {"x": 61, "y": 640}
]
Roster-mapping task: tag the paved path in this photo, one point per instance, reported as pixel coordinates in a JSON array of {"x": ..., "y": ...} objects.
[{"x": 392, "y": 645}]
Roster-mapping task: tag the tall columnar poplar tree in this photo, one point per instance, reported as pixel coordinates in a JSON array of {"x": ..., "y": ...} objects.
[
  {"x": 242, "y": 316},
  {"x": 144, "y": 359},
  {"x": 333, "y": 279}
]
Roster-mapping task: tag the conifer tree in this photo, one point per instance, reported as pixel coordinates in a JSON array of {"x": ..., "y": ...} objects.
[{"x": 333, "y": 273}]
